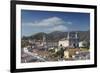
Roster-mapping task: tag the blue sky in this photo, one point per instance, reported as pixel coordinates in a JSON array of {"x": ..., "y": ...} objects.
[{"x": 48, "y": 21}]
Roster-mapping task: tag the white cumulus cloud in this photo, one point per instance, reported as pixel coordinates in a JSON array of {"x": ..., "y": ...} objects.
[
  {"x": 48, "y": 25},
  {"x": 53, "y": 21},
  {"x": 59, "y": 28}
]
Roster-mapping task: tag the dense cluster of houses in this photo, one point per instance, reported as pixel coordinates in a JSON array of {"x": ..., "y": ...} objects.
[{"x": 70, "y": 42}]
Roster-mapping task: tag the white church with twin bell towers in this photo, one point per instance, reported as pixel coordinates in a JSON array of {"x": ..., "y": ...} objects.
[{"x": 71, "y": 41}]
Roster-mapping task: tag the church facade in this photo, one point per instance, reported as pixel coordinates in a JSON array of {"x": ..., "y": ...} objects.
[{"x": 71, "y": 41}]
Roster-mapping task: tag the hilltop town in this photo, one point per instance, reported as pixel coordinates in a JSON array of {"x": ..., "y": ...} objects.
[{"x": 56, "y": 46}]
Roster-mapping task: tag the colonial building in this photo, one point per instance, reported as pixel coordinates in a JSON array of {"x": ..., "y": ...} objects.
[
  {"x": 83, "y": 44},
  {"x": 71, "y": 41}
]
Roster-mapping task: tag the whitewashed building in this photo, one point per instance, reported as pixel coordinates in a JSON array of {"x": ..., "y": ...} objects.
[
  {"x": 81, "y": 44},
  {"x": 64, "y": 42},
  {"x": 72, "y": 42}
]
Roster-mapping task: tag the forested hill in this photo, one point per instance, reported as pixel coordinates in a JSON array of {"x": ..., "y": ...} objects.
[{"x": 57, "y": 35}]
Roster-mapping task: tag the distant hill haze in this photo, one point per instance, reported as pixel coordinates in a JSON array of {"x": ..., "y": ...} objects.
[{"x": 57, "y": 35}]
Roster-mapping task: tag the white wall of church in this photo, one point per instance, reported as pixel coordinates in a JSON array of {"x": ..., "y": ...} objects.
[{"x": 64, "y": 43}]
